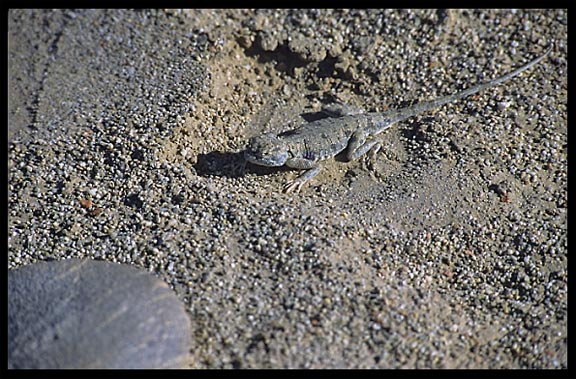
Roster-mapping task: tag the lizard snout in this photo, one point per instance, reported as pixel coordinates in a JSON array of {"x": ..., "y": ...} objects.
[{"x": 266, "y": 150}]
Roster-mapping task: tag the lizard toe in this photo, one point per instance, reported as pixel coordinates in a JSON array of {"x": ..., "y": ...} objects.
[{"x": 293, "y": 186}]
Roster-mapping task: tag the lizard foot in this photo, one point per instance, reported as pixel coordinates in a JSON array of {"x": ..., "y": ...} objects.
[
  {"x": 297, "y": 183},
  {"x": 294, "y": 185},
  {"x": 370, "y": 158}
]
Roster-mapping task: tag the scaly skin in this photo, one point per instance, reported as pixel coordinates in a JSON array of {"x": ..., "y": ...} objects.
[{"x": 304, "y": 147}]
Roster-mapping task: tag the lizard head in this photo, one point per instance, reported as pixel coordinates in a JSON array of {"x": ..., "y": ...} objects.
[{"x": 266, "y": 150}]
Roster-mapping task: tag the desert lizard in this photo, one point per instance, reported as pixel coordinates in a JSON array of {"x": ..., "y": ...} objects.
[{"x": 304, "y": 147}]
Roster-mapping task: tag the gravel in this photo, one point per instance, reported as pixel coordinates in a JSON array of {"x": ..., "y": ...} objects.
[{"x": 125, "y": 136}]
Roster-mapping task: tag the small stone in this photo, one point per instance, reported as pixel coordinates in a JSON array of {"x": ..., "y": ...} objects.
[
  {"x": 502, "y": 105},
  {"x": 86, "y": 203}
]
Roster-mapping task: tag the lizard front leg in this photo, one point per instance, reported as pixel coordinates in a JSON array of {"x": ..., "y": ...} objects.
[{"x": 312, "y": 169}]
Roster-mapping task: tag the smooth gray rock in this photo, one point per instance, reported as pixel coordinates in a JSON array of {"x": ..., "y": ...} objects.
[{"x": 93, "y": 314}]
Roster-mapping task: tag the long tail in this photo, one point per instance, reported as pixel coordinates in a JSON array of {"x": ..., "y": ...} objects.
[{"x": 424, "y": 106}]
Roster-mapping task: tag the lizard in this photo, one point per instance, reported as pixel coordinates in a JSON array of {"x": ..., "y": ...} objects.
[{"x": 304, "y": 147}]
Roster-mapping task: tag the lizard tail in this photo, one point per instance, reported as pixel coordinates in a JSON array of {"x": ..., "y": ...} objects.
[{"x": 424, "y": 106}]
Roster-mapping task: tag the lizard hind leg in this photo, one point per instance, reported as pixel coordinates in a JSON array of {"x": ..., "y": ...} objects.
[
  {"x": 360, "y": 143},
  {"x": 377, "y": 145}
]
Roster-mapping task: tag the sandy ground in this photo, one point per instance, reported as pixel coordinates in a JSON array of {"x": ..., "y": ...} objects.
[{"x": 126, "y": 131}]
